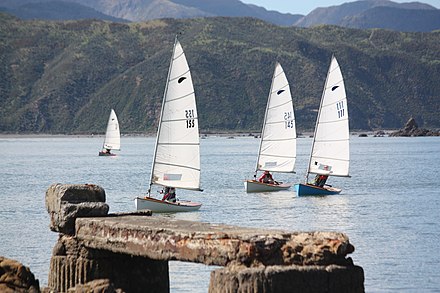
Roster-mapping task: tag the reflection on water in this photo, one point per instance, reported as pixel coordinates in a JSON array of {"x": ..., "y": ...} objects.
[{"x": 389, "y": 208}]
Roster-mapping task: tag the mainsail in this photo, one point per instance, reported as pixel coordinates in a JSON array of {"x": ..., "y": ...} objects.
[
  {"x": 277, "y": 151},
  {"x": 112, "y": 139},
  {"x": 176, "y": 161},
  {"x": 330, "y": 153}
]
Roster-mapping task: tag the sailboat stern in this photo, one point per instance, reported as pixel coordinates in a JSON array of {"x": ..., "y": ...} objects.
[
  {"x": 163, "y": 206},
  {"x": 310, "y": 189},
  {"x": 106, "y": 154},
  {"x": 255, "y": 186}
]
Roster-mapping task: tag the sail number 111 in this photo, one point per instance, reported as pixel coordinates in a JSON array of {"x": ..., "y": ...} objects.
[{"x": 189, "y": 114}]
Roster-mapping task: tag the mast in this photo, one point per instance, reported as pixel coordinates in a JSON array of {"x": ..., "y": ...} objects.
[
  {"x": 264, "y": 121},
  {"x": 106, "y": 131},
  {"x": 161, "y": 115},
  {"x": 317, "y": 120}
]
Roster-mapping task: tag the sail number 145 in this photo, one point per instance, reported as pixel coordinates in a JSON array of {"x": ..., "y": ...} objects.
[
  {"x": 189, "y": 114},
  {"x": 288, "y": 120}
]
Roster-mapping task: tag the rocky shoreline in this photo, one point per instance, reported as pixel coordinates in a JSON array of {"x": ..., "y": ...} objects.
[
  {"x": 411, "y": 128},
  {"x": 15, "y": 277}
]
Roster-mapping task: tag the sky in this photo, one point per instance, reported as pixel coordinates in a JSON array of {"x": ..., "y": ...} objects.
[{"x": 306, "y": 6}]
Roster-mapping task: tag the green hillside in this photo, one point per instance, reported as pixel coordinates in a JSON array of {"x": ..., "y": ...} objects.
[{"x": 64, "y": 77}]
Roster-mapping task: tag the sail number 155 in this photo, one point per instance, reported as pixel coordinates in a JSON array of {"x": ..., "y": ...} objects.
[{"x": 189, "y": 115}]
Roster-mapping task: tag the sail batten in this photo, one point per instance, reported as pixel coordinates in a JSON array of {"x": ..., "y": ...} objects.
[
  {"x": 277, "y": 152},
  {"x": 181, "y": 97},
  {"x": 180, "y": 166},
  {"x": 280, "y": 105},
  {"x": 182, "y": 74},
  {"x": 330, "y": 149},
  {"x": 280, "y": 139},
  {"x": 177, "y": 143},
  {"x": 331, "y": 140},
  {"x": 176, "y": 120},
  {"x": 276, "y": 156},
  {"x": 176, "y": 161},
  {"x": 327, "y": 158}
]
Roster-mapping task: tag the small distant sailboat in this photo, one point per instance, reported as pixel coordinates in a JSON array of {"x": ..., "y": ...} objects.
[
  {"x": 330, "y": 154},
  {"x": 112, "y": 139},
  {"x": 176, "y": 160},
  {"x": 277, "y": 152}
]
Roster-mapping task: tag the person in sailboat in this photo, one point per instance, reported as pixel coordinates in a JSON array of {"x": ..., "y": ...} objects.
[
  {"x": 267, "y": 178},
  {"x": 170, "y": 194},
  {"x": 165, "y": 192},
  {"x": 107, "y": 151},
  {"x": 320, "y": 180}
]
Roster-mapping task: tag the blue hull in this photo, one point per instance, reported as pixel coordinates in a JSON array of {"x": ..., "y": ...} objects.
[{"x": 308, "y": 189}]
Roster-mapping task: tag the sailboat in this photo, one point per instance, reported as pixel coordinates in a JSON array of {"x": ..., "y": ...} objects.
[
  {"x": 330, "y": 154},
  {"x": 112, "y": 139},
  {"x": 176, "y": 160},
  {"x": 277, "y": 152}
]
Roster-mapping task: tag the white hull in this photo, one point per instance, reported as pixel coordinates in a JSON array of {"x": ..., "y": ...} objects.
[
  {"x": 159, "y": 206},
  {"x": 255, "y": 186}
]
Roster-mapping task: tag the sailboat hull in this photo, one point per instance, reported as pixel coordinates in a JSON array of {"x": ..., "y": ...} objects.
[
  {"x": 160, "y": 206},
  {"x": 102, "y": 154},
  {"x": 255, "y": 186},
  {"x": 309, "y": 189}
]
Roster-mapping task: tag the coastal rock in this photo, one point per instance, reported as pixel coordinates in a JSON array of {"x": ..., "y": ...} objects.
[
  {"x": 16, "y": 278},
  {"x": 66, "y": 202},
  {"x": 412, "y": 129},
  {"x": 379, "y": 133}
]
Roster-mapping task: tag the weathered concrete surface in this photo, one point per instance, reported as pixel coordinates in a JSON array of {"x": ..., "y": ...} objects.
[
  {"x": 16, "y": 278},
  {"x": 66, "y": 202},
  {"x": 301, "y": 279},
  {"x": 167, "y": 239},
  {"x": 96, "y": 286},
  {"x": 73, "y": 264},
  {"x": 132, "y": 251}
]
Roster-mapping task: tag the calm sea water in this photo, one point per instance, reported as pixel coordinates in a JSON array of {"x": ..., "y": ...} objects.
[{"x": 390, "y": 208}]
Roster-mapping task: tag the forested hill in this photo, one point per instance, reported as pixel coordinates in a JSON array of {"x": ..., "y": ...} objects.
[{"x": 64, "y": 77}]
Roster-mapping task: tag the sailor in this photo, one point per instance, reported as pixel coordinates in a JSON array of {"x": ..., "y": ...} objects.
[
  {"x": 267, "y": 178},
  {"x": 320, "y": 180},
  {"x": 170, "y": 194}
]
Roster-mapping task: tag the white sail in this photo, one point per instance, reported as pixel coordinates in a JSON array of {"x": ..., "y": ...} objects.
[
  {"x": 330, "y": 151},
  {"x": 177, "y": 154},
  {"x": 112, "y": 139},
  {"x": 278, "y": 138}
]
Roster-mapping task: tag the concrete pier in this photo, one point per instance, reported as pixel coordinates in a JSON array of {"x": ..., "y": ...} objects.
[{"x": 133, "y": 250}]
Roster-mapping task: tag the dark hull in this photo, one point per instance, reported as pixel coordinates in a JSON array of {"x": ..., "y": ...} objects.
[{"x": 309, "y": 189}]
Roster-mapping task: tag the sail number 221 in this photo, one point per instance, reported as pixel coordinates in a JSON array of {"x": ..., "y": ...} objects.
[{"x": 189, "y": 114}]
